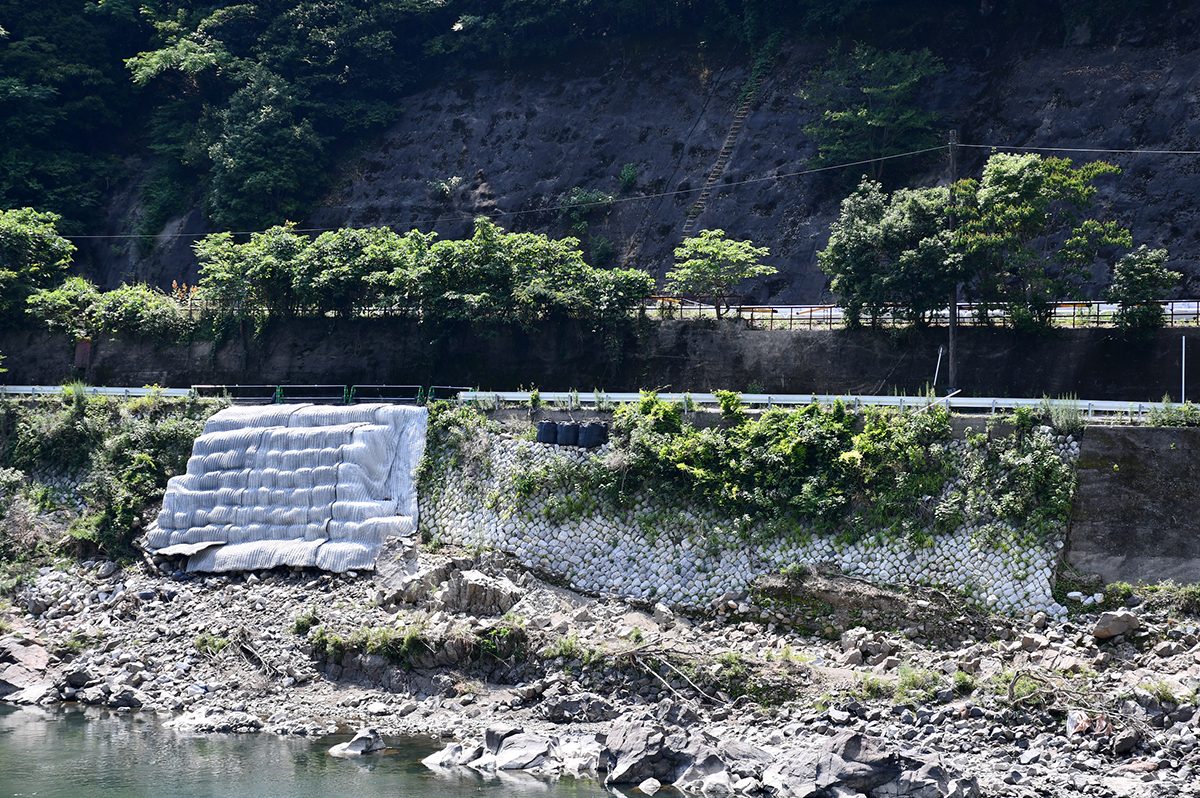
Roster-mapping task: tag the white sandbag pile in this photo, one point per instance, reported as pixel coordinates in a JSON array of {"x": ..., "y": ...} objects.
[{"x": 306, "y": 485}]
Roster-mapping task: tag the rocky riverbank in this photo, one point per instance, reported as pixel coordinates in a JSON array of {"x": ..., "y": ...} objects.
[{"x": 934, "y": 700}]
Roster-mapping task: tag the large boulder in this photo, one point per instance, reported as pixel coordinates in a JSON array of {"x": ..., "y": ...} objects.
[
  {"x": 522, "y": 751},
  {"x": 23, "y": 665},
  {"x": 1114, "y": 624},
  {"x": 640, "y": 748},
  {"x": 854, "y": 764},
  {"x": 476, "y": 593},
  {"x": 497, "y": 733},
  {"x": 365, "y": 741}
]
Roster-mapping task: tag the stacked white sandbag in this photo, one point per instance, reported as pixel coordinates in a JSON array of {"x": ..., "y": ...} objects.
[{"x": 304, "y": 485}]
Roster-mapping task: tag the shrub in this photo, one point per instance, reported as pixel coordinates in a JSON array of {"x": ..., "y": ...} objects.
[
  {"x": 306, "y": 620},
  {"x": 210, "y": 645},
  {"x": 68, "y": 308},
  {"x": 872, "y": 687},
  {"x": 1185, "y": 415},
  {"x": 628, "y": 177},
  {"x": 1065, "y": 416},
  {"x": 963, "y": 683},
  {"x": 79, "y": 308},
  {"x": 1140, "y": 280}
]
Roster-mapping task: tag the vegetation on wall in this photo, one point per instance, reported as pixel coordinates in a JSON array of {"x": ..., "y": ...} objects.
[
  {"x": 87, "y": 472},
  {"x": 822, "y": 469}
]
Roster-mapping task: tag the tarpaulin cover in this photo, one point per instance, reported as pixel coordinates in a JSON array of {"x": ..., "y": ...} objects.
[{"x": 305, "y": 485}]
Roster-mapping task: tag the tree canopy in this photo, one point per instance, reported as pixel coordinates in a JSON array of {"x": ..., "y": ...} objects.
[
  {"x": 870, "y": 105},
  {"x": 1027, "y": 234},
  {"x": 32, "y": 256},
  {"x": 711, "y": 266},
  {"x": 1140, "y": 280},
  {"x": 493, "y": 276}
]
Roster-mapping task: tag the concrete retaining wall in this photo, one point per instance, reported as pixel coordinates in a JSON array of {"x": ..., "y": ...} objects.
[
  {"x": 1137, "y": 508},
  {"x": 1096, "y": 364}
]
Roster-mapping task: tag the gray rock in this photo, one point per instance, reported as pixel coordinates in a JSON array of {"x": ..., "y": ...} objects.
[
  {"x": 497, "y": 733},
  {"x": 1125, "y": 741},
  {"x": 650, "y": 786},
  {"x": 476, "y": 593},
  {"x": 448, "y": 757},
  {"x": 126, "y": 697},
  {"x": 1118, "y": 622},
  {"x": 577, "y": 708},
  {"x": 522, "y": 751},
  {"x": 365, "y": 741},
  {"x": 851, "y": 764},
  {"x": 636, "y": 748}
]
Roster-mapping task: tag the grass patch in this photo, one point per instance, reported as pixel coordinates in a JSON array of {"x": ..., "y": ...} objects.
[
  {"x": 1016, "y": 689},
  {"x": 1162, "y": 691},
  {"x": 963, "y": 683},
  {"x": 77, "y": 643},
  {"x": 873, "y": 687},
  {"x": 211, "y": 645},
  {"x": 917, "y": 685},
  {"x": 305, "y": 621}
]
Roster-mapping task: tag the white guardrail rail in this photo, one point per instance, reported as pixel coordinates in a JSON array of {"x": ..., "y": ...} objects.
[
  {"x": 90, "y": 390},
  {"x": 964, "y": 404},
  {"x": 577, "y": 399}
]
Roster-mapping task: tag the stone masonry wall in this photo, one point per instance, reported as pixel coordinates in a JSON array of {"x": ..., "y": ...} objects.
[{"x": 691, "y": 560}]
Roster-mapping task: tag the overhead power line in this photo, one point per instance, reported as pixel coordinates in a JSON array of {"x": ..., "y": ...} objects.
[
  {"x": 1094, "y": 150},
  {"x": 464, "y": 215},
  {"x": 559, "y": 207}
]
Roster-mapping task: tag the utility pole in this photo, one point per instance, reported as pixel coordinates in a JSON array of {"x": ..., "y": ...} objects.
[{"x": 952, "y": 358}]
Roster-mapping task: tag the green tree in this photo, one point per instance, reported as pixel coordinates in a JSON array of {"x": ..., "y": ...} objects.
[
  {"x": 1025, "y": 233},
  {"x": 32, "y": 256},
  {"x": 854, "y": 258},
  {"x": 710, "y": 266},
  {"x": 255, "y": 278},
  {"x": 923, "y": 265},
  {"x": 870, "y": 104},
  {"x": 65, "y": 105},
  {"x": 1140, "y": 280},
  {"x": 892, "y": 253},
  {"x": 264, "y": 155},
  {"x": 334, "y": 273},
  {"x": 69, "y": 308}
]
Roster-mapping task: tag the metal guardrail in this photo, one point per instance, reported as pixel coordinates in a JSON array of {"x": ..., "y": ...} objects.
[
  {"x": 978, "y": 404},
  {"x": 1066, "y": 313},
  {"x": 53, "y": 390},
  {"x": 1089, "y": 407}
]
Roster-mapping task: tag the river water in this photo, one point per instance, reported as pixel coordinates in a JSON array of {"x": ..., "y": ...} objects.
[{"x": 77, "y": 755}]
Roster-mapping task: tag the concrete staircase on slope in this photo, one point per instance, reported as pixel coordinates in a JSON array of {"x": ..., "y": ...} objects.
[{"x": 723, "y": 157}]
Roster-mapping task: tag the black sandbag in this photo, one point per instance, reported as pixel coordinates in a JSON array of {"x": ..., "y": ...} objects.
[
  {"x": 593, "y": 434},
  {"x": 568, "y": 433},
  {"x": 547, "y": 432}
]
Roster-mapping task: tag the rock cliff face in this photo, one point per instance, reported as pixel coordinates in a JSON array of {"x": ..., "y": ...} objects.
[{"x": 515, "y": 144}]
